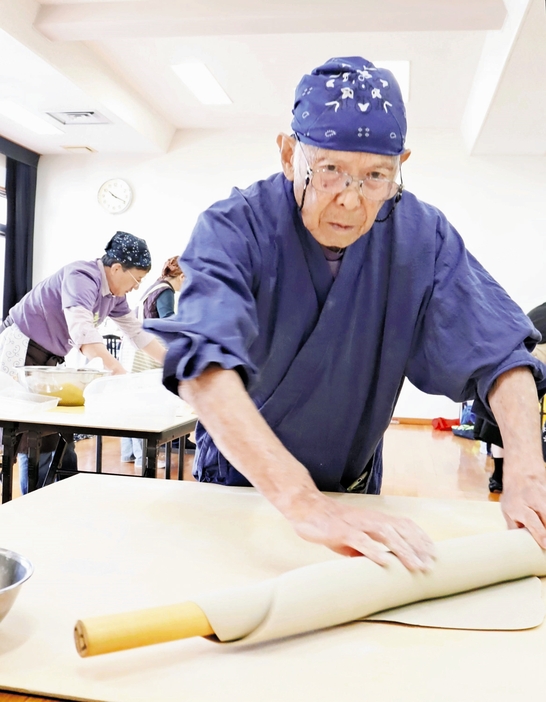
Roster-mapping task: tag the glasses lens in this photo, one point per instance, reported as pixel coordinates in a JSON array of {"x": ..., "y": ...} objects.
[
  {"x": 330, "y": 181},
  {"x": 334, "y": 182},
  {"x": 379, "y": 189}
]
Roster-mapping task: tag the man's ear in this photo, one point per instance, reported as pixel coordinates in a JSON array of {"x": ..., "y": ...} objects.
[
  {"x": 287, "y": 146},
  {"x": 405, "y": 156}
]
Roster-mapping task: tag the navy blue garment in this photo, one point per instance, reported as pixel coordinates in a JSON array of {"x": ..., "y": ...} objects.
[{"x": 324, "y": 360}]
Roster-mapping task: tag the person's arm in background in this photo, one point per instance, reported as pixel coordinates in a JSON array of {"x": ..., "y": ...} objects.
[
  {"x": 222, "y": 404},
  {"x": 88, "y": 339},
  {"x": 514, "y": 402},
  {"x": 99, "y": 350},
  {"x": 165, "y": 303},
  {"x": 132, "y": 329}
]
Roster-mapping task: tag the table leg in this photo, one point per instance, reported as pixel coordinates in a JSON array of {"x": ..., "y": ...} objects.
[
  {"x": 10, "y": 443},
  {"x": 33, "y": 453},
  {"x": 149, "y": 458},
  {"x": 168, "y": 452},
  {"x": 181, "y": 454},
  {"x": 98, "y": 457}
]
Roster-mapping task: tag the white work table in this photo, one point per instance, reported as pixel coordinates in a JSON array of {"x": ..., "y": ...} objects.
[
  {"x": 105, "y": 544},
  {"x": 155, "y": 428}
]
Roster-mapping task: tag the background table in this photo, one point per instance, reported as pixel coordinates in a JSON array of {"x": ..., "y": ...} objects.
[
  {"x": 103, "y": 544},
  {"x": 153, "y": 428}
]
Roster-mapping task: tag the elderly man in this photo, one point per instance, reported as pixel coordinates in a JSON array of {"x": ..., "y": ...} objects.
[{"x": 311, "y": 295}]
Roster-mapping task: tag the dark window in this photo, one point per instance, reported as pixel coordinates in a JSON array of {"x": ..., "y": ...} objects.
[
  {"x": 3, "y": 210},
  {"x": 3, "y": 218}
]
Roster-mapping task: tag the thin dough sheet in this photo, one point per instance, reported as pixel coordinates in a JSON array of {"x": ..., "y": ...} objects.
[{"x": 503, "y": 607}]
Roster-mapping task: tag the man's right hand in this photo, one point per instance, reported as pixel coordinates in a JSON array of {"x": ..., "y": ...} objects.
[
  {"x": 354, "y": 531},
  {"x": 242, "y": 435}
]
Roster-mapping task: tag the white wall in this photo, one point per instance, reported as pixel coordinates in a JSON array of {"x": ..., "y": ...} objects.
[
  {"x": 169, "y": 193},
  {"x": 495, "y": 203}
]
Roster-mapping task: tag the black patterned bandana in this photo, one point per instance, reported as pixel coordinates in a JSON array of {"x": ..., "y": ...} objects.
[
  {"x": 348, "y": 104},
  {"x": 129, "y": 250}
]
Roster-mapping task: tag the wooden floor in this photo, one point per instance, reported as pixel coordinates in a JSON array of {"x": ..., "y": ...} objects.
[
  {"x": 111, "y": 461},
  {"x": 418, "y": 461},
  {"x": 422, "y": 462}
]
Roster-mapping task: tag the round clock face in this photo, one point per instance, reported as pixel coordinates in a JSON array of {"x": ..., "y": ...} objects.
[{"x": 115, "y": 195}]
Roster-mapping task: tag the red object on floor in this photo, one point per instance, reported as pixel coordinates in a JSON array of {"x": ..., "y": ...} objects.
[{"x": 442, "y": 424}]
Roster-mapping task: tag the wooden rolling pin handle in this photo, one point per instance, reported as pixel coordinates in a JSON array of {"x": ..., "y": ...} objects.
[{"x": 119, "y": 632}]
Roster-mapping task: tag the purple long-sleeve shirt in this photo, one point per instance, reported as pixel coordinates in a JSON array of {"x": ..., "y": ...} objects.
[{"x": 40, "y": 314}]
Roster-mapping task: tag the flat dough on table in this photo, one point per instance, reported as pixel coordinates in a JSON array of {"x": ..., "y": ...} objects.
[{"x": 503, "y": 607}]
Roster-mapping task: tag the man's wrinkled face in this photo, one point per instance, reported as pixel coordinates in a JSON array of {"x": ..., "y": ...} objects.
[{"x": 336, "y": 219}]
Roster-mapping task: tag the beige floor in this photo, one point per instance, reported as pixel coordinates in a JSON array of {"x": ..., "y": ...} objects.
[{"x": 422, "y": 462}]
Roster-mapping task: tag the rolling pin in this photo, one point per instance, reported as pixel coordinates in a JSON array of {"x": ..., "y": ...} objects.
[
  {"x": 144, "y": 627},
  {"x": 319, "y": 596}
]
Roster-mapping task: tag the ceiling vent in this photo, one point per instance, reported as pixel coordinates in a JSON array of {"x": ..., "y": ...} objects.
[
  {"x": 79, "y": 149},
  {"x": 82, "y": 117}
]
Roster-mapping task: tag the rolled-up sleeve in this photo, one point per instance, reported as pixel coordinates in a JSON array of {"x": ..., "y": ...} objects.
[
  {"x": 81, "y": 327},
  {"x": 216, "y": 321}
]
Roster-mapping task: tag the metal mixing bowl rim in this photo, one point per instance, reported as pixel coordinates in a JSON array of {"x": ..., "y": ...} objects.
[
  {"x": 56, "y": 369},
  {"x": 23, "y": 561}
]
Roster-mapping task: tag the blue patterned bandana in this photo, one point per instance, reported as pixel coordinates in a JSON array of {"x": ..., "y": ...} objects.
[
  {"x": 350, "y": 105},
  {"x": 129, "y": 250}
]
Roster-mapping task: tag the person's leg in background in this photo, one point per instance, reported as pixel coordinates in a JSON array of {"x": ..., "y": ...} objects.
[
  {"x": 43, "y": 465},
  {"x": 131, "y": 451},
  {"x": 495, "y": 481},
  {"x": 137, "y": 451},
  {"x": 69, "y": 462},
  {"x": 127, "y": 455}
]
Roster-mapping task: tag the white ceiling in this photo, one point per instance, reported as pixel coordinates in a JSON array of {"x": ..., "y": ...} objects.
[{"x": 477, "y": 66}]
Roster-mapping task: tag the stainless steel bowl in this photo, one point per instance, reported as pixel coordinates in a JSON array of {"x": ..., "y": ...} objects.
[
  {"x": 67, "y": 384},
  {"x": 14, "y": 571}
]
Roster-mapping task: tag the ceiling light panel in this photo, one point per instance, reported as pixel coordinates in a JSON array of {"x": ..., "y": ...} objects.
[
  {"x": 197, "y": 78},
  {"x": 79, "y": 117}
]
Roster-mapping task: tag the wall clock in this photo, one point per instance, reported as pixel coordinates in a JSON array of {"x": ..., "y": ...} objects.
[{"x": 115, "y": 195}]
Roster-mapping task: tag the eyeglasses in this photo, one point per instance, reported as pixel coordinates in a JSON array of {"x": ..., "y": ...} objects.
[
  {"x": 137, "y": 282},
  {"x": 334, "y": 181}
]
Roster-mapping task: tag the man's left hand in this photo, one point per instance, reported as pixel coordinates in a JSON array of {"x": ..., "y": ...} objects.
[{"x": 523, "y": 501}]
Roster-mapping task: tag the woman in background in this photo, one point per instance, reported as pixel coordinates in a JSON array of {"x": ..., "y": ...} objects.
[{"x": 157, "y": 302}]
